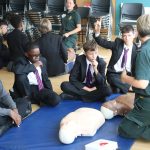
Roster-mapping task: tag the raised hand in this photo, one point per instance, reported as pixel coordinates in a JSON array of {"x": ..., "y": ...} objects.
[{"x": 97, "y": 26}]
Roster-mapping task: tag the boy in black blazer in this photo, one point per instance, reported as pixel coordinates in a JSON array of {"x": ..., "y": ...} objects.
[
  {"x": 16, "y": 39},
  {"x": 117, "y": 47},
  {"x": 79, "y": 86},
  {"x": 37, "y": 89}
]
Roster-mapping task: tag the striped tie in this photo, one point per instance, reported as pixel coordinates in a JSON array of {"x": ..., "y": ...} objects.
[
  {"x": 39, "y": 81},
  {"x": 124, "y": 58},
  {"x": 89, "y": 76}
]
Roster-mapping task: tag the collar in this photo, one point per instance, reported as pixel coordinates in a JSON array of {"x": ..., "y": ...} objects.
[
  {"x": 128, "y": 47},
  {"x": 70, "y": 12},
  {"x": 88, "y": 62},
  {"x": 147, "y": 41}
]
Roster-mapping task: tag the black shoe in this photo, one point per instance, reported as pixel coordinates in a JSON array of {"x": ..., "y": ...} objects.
[{"x": 66, "y": 96}]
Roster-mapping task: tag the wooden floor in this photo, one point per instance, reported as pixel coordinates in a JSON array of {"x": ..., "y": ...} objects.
[{"x": 8, "y": 79}]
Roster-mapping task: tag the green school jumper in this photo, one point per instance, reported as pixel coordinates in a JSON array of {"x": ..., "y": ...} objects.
[
  {"x": 136, "y": 123},
  {"x": 69, "y": 23}
]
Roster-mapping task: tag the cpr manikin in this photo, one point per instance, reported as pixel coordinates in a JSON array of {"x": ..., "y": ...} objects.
[
  {"x": 81, "y": 122},
  {"x": 119, "y": 106}
]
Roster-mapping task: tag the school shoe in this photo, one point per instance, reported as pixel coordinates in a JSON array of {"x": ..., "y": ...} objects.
[{"x": 66, "y": 96}]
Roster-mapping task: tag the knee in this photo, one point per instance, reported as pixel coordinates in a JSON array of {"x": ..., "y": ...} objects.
[
  {"x": 49, "y": 97},
  {"x": 125, "y": 131},
  {"x": 64, "y": 86},
  {"x": 107, "y": 90},
  {"x": 55, "y": 99}
]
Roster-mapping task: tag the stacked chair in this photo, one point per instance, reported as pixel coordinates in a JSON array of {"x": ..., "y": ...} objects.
[
  {"x": 100, "y": 9},
  {"x": 55, "y": 9},
  {"x": 34, "y": 15},
  {"x": 84, "y": 13},
  {"x": 15, "y": 7},
  {"x": 2, "y": 8},
  {"x": 130, "y": 12}
]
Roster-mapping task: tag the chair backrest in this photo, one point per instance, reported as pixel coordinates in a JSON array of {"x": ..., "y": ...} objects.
[
  {"x": 38, "y": 5},
  {"x": 55, "y": 6},
  {"x": 132, "y": 11},
  {"x": 100, "y": 5},
  {"x": 17, "y": 5},
  {"x": 84, "y": 12}
]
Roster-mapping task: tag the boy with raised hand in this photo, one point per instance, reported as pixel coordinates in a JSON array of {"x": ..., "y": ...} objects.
[{"x": 87, "y": 79}]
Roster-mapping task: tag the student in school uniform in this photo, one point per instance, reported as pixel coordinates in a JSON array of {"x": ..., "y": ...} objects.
[
  {"x": 31, "y": 79},
  {"x": 11, "y": 111},
  {"x": 52, "y": 48},
  {"x": 123, "y": 56},
  {"x": 16, "y": 39},
  {"x": 87, "y": 79}
]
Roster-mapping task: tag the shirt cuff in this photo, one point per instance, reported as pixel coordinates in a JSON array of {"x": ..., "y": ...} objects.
[{"x": 97, "y": 34}]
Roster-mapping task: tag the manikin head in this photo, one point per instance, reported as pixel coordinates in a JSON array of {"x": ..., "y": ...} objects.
[
  {"x": 68, "y": 132},
  {"x": 108, "y": 113}
]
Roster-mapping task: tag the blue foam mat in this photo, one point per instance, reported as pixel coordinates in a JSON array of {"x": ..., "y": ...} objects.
[{"x": 40, "y": 130}]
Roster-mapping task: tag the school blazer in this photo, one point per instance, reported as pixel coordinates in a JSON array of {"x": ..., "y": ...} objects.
[
  {"x": 52, "y": 48},
  {"x": 17, "y": 41},
  {"x": 116, "y": 47},
  {"x": 78, "y": 73},
  {"x": 22, "y": 66}
]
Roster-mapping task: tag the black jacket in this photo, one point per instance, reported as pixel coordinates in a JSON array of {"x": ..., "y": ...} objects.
[
  {"x": 23, "y": 66},
  {"x": 52, "y": 48},
  {"x": 17, "y": 41},
  {"x": 116, "y": 47},
  {"x": 78, "y": 72}
]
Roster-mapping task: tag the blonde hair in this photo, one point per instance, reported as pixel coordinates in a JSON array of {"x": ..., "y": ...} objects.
[
  {"x": 45, "y": 25},
  {"x": 143, "y": 25}
]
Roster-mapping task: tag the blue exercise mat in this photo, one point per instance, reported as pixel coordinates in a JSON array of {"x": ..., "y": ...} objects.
[{"x": 40, "y": 130}]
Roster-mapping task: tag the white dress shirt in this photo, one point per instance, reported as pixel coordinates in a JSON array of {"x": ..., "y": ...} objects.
[
  {"x": 127, "y": 67},
  {"x": 32, "y": 77}
]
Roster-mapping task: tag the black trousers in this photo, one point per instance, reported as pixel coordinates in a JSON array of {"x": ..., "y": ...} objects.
[
  {"x": 114, "y": 79},
  {"x": 96, "y": 95},
  {"x": 24, "y": 109},
  {"x": 22, "y": 88}
]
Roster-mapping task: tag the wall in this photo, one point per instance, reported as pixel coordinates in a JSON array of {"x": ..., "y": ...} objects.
[
  {"x": 146, "y": 3},
  {"x": 82, "y": 2}
]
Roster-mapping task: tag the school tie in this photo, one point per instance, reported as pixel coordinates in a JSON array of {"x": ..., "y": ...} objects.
[
  {"x": 39, "y": 81},
  {"x": 124, "y": 58},
  {"x": 89, "y": 76}
]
